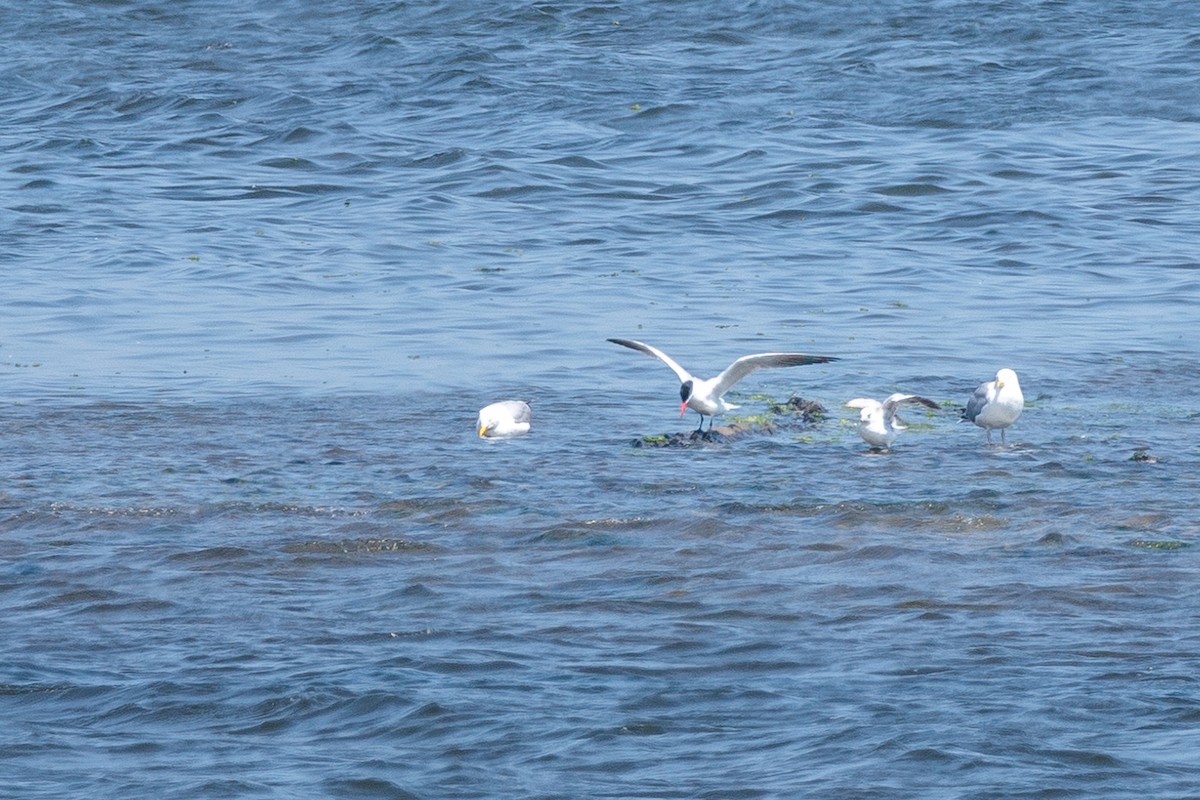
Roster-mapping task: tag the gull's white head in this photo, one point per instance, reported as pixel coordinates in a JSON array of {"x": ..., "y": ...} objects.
[{"x": 1006, "y": 377}]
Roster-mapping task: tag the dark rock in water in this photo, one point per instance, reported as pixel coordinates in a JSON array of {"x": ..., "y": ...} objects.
[
  {"x": 1144, "y": 455},
  {"x": 809, "y": 411},
  {"x": 794, "y": 413}
]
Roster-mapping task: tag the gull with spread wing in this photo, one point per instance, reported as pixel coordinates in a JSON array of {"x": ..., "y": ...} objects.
[{"x": 879, "y": 424}]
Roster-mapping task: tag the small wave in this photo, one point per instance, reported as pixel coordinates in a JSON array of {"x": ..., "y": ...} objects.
[{"x": 911, "y": 190}]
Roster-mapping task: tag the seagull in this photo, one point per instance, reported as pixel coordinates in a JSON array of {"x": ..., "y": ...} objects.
[
  {"x": 704, "y": 395},
  {"x": 506, "y": 418},
  {"x": 878, "y": 423},
  {"x": 996, "y": 404}
]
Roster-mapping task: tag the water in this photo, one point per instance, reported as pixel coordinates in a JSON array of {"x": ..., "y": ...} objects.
[{"x": 261, "y": 268}]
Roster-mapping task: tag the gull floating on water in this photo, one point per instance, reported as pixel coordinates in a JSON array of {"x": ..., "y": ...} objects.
[
  {"x": 996, "y": 404},
  {"x": 705, "y": 395},
  {"x": 506, "y": 418},
  {"x": 878, "y": 423}
]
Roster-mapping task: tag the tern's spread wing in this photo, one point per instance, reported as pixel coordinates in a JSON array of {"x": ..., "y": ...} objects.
[
  {"x": 747, "y": 364},
  {"x": 684, "y": 377}
]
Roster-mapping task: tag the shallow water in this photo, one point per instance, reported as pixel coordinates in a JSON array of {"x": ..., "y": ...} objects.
[{"x": 263, "y": 267}]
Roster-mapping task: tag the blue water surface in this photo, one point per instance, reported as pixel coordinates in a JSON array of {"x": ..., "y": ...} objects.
[{"x": 263, "y": 265}]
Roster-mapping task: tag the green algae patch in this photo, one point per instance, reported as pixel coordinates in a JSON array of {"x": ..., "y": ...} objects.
[
  {"x": 1158, "y": 544},
  {"x": 366, "y": 545}
]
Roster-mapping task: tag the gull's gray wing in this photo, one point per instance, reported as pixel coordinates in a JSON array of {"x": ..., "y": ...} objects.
[
  {"x": 519, "y": 410},
  {"x": 978, "y": 401}
]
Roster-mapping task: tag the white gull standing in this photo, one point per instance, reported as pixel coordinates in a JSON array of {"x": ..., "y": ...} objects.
[{"x": 996, "y": 404}]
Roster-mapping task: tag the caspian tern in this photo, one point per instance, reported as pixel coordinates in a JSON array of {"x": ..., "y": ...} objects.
[
  {"x": 996, "y": 404},
  {"x": 704, "y": 395},
  {"x": 506, "y": 418},
  {"x": 878, "y": 423}
]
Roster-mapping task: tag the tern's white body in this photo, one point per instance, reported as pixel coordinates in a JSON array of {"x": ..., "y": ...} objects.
[
  {"x": 996, "y": 404},
  {"x": 879, "y": 424},
  {"x": 705, "y": 396},
  {"x": 506, "y": 418}
]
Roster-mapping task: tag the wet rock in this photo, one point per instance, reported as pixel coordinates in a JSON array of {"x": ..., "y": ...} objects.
[
  {"x": 793, "y": 414},
  {"x": 809, "y": 411},
  {"x": 719, "y": 434}
]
